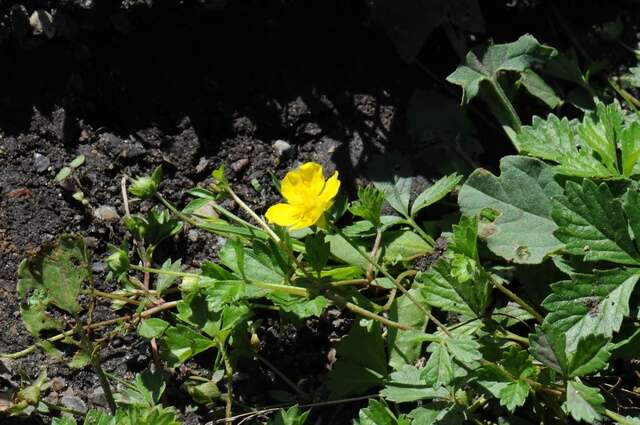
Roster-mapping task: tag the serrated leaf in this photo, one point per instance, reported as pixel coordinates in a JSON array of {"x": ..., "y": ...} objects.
[
  {"x": 407, "y": 385},
  {"x": 514, "y": 394},
  {"x": 300, "y": 307},
  {"x": 464, "y": 348},
  {"x": 435, "y": 192},
  {"x": 52, "y": 278},
  {"x": 548, "y": 345},
  {"x": 602, "y": 145},
  {"x": 584, "y": 403},
  {"x": 590, "y": 356},
  {"x": 403, "y": 347},
  {"x": 355, "y": 373},
  {"x": 592, "y": 223},
  {"x": 291, "y": 416},
  {"x": 368, "y": 205},
  {"x": 590, "y": 304},
  {"x": 556, "y": 140},
  {"x": 439, "y": 368},
  {"x": 376, "y": 413},
  {"x": 520, "y": 199}
]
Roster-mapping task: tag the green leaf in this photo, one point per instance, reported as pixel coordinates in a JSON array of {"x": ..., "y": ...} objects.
[
  {"x": 80, "y": 359},
  {"x": 300, "y": 307},
  {"x": 520, "y": 199},
  {"x": 410, "y": 23},
  {"x": 407, "y": 385},
  {"x": 439, "y": 369},
  {"x": 317, "y": 251},
  {"x": 52, "y": 278},
  {"x": 64, "y": 420},
  {"x": 147, "y": 186},
  {"x": 602, "y": 145},
  {"x": 376, "y": 413},
  {"x": 548, "y": 345},
  {"x": 590, "y": 304},
  {"x": 77, "y": 161},
  {"x": 591, "y": 355},
  {"x": 343, "y": 250},
  {"x": 584, "y": 403},
  {"x": 480, "y": 71},
  {"x": 435, "y": 192},
  {"x": 63, "y": 174},
  {"x": 355, "y": 373},
  {"x": 485, "y": 64},
  {"x": 164, "y": 281},
  {"x": 556, "y": 140},
  {"x": 592, "y": 223},
  {"x": 253, "y": 267},
  {"x": 443, "y": 290},
  {"x": 403, "y": 347},
  {"x": 465, "y": 349},
  {"x": 152, "y": 328},
  {"x": 145, "y": 391},
  {"x": 631, "y": 207},
  {"x": 514, "y": 394},
  {"x": 290, "y": 416},
  {"x": 368, "y": 205},
  {"x": 403, "y": 244},
  {"x": 182, "y": 343},
  {"x": 537, "y": 87},
  {"x": 202, "y": 392}
]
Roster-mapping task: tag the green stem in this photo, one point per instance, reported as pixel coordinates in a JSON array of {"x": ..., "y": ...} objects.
[
  {"x": 402, "y": 289},
  {"x": 512, "y": 337},
  {"x": 421, "y": 232},
  {"x": 513, "y": 297},
  {"x": 511, "y": 121},
  {"x": 174, "y": 210},
  {"x": 229, "y": 375},
  {"x": 95, "y": 362},
  {"x": 30, "y": 349},
  {"x": 618, "y": 418}
]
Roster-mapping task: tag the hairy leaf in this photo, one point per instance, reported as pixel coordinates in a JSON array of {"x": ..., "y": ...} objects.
[
  {"x": 584, "y": 403},
  {"x": 592, "y": 223},
  {"x": 520, "y": 228},
  {"x": 590, "y": 304}
]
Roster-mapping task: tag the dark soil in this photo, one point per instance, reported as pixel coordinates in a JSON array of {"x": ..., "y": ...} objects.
[{"x": 190, "y": 87}]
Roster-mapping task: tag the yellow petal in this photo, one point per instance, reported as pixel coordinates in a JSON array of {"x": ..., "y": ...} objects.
[
  {"x": 283, "y": 215},
  {"x": 303, "y": 182},
  {"x": 331, "y": 188},
  {"x": 312, "y": 214}
]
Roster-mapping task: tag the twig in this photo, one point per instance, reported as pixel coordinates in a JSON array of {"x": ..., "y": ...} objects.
[
  {"x": 513, "y": 297},
  {"x": 302, "y": 406},
  {"x": 281, "y": 375},
  {"x": 97, "y": 325}
]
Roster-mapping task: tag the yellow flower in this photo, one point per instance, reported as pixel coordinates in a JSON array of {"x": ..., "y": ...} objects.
[{"x": 308, "y": 196}]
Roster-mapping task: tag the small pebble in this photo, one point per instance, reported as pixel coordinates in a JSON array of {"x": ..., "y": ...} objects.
[
  {"x": 97, "y": 397},
  {"x": 240, "y": 165},
  {"x": 202, "y": 165},
  {"x": 40, "y": 162},
  {"x": 281, "y": 147},
  {"x": 106, "y": 213},
  {"x": 193, "y": 235},
  {"x": 73, "y": 402}
]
